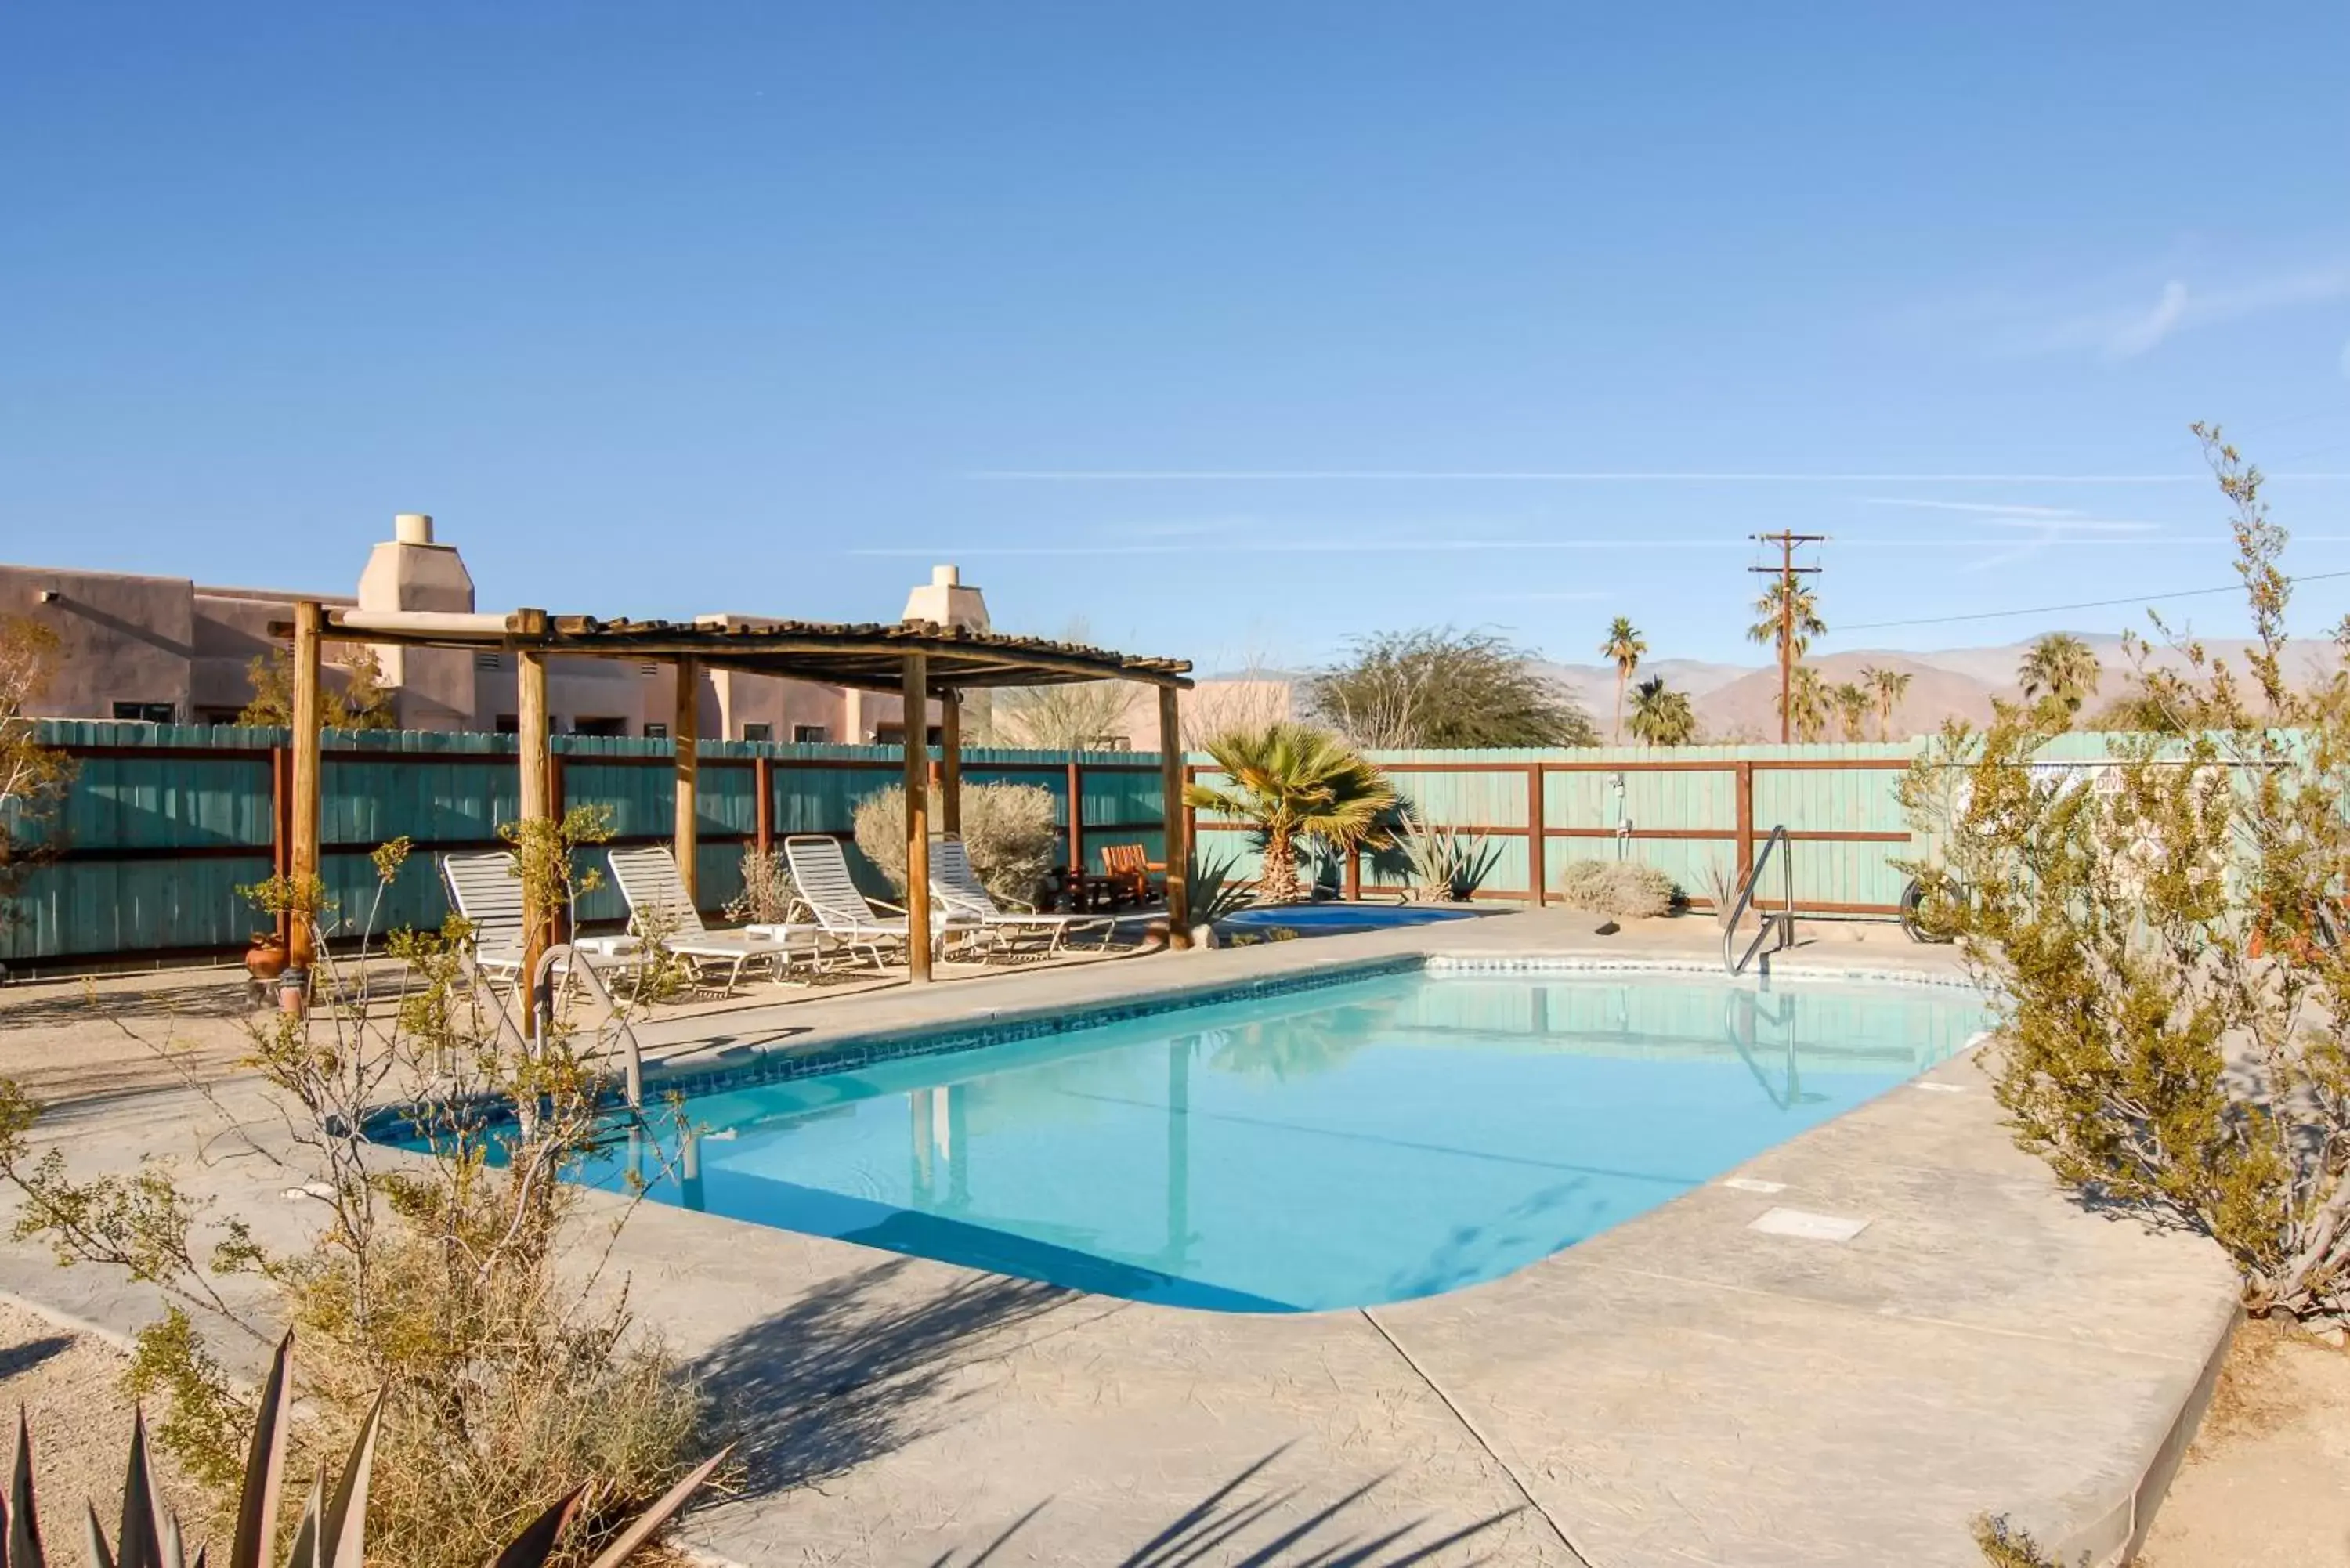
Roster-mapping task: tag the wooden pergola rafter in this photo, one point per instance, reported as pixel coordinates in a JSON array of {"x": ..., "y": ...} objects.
[{"x": 920, "y": 660}]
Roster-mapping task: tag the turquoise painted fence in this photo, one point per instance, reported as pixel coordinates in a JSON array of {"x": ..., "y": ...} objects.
[
  {"x": 1696, "y": 813},
  {"x": 164, "y": 824}
]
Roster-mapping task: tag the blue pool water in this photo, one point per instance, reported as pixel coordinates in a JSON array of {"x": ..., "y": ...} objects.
[
  {"x": 1368, "y": 1142},
  {"x": 1333, "y": 919}
]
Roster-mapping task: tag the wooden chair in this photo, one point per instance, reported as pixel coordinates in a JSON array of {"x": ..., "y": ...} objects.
[{"x": 1128, "y": 869}]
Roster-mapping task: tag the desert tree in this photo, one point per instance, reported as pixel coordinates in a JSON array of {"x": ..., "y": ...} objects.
[
  {"x": 1852, "y": 702},
  {"x": 32, "y": 776},
  {"x": 1886, "y": 689},
  {"x": 2165, "y": 942},
  {"x": 1294, "y": 783},
  {"x": 1445, "y": 688},
  {"x": 353, "y": 697}
]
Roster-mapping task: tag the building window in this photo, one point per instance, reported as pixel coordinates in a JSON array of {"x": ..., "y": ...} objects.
[
  {"x": 889, "y": 734},
  {"x": 219, "y": 717},
  {"x": 656, "y": 732},
  {"x": 810, "y": 734},
  {"x": 506, "y": 725},
  {"x": 148, "y": 713},
  {"x": 600, "y": 726},
  {"x": 758, "y": 732}
]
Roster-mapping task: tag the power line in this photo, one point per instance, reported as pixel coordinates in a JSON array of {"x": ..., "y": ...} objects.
[{"x": 2086, "y": 604}]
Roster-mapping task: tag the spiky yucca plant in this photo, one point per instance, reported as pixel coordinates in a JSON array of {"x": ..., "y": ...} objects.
[
  {"x": 332, "y": 1530},
  {"x": 1292, "y": 781}
]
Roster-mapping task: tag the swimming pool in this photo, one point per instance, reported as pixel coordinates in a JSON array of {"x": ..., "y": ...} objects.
[
  {"x": 1334, "y": 919},
  {"x": 1363, "y": 1141}
]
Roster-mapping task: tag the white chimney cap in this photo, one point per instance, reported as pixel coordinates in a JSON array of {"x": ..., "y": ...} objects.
[
  {"x": 945, "y": 576},
  {"x": 411, "y": 528}
]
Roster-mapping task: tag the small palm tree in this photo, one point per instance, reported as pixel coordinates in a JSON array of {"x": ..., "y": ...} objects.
[
  {"x": 1808, "y": 703},
  {"x": 1660, "y": 715},
  {"x": 1292, "y": 781},
  {"x": 1624, "y": 647},
  {"x": 1886, "y": 686},
  {"x": 1770, "y": 621},
  {"x": 1852, "y": 702},
  {"x": 2061, "y": 667}
]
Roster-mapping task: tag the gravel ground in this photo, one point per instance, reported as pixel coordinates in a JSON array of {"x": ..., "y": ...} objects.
[{"x": 70, "y": 1387}]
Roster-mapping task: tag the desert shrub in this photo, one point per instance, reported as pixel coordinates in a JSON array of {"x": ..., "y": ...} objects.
[
  {"x": 768, "y": 895},
  {"x": 1627, "y": 889},
  {"x": 465, "y": 1284},
  {"x": 2165, "y": 942},
  {"x": 1007, "y": 831}
]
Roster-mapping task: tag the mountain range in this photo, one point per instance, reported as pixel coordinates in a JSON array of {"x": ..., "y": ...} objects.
[{"x": 1742, "y": 702}]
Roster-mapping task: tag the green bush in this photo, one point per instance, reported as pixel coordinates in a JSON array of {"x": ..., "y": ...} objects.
[{"x": 1007, "y": 830}]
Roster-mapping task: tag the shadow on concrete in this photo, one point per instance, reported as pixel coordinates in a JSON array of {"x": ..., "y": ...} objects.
[
  {"x": 17, "y": 1359},
  {"x": 50, "y": 1004},
  {"x": 856, "y": 1368},
  {"x": 1252, "y": 1521}
]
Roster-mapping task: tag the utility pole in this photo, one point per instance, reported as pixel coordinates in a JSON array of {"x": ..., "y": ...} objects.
[{"x": 1786, "y": 571}]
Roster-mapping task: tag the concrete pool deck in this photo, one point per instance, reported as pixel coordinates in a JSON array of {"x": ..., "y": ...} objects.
[{"x": 1682, "y": 1390}]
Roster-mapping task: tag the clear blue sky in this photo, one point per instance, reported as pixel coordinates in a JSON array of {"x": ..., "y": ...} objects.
[{"x": 766, "y": 306}]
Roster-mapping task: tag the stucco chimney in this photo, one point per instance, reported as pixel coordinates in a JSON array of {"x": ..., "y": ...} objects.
[
  {"x": 409, "y": 571},
  {"x": 946, "y": 600}
]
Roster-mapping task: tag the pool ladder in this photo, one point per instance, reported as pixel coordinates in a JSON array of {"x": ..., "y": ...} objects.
[{"x": 1778, "y": 929}]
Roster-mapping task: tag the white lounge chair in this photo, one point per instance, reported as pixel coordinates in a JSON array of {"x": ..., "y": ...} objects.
[
  {"x": 959, "y": 891},
  {"x": 820, "y": 872},
  {"x": 659, "y": 910},
  {"x": 486, "y": 893}
]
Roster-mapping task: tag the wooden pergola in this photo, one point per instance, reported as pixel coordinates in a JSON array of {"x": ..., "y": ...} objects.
[{"x": 920, "y": 660}]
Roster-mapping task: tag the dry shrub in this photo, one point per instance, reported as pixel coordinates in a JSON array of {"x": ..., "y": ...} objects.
[
  {"x": 1007, "y": 830},
  {"x": 465, "y": 1282},
  {"x": 1626, "y": 889}
]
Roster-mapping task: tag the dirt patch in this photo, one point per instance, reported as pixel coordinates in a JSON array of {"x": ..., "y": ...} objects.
[
  {"x": 70, "y": 1386},
  {"x": 2263, "y": 1480}
]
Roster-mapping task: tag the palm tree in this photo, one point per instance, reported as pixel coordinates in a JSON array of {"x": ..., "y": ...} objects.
[
  {"x": 1292, "y": 781},
  {"x": 1623, "y": 647},
  {"x": 1887, "y": 687},
  {"x": 1660, "y": 715},
  {"x": 1852, "y": 702},
  {"x": 2060, "y": 667},
  {"x": 1769, "y": 619},
  {"x": 1808, "y": 703}
]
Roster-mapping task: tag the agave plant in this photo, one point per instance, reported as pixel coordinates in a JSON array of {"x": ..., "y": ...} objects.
[
  {"x": 1215, "y": 892},
  {"x": 1444, "y": 863},
  {"x": 331, "y": 1532}
]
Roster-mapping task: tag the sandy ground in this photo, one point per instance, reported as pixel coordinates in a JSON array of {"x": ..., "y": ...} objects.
[
  {"x": 2267, "y": 1480},
  {"x": 70, "y": 1387}
]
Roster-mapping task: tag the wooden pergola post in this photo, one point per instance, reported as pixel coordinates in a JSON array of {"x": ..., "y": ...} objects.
[
  {"x": 685, "y": 719},
  {"x": 1179, "y": 824},
  {"x": 302, "y": 819},
  {"x": 917, "y": 819},
  {"x": 951, "y": 764},
  {"x": 536, "y": 764}
]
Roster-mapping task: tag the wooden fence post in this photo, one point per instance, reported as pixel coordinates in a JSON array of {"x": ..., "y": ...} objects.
[
  {"x": 1077, "y": 786},
  {"x": 1745, "y": 821},
  {"x": 762, "y": 780},
  {"x": 281, "y": 830},
  {"x": 1537, "y": 845}
]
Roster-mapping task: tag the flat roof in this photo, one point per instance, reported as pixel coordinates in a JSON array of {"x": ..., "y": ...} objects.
[{"x": 867, "y": 655}]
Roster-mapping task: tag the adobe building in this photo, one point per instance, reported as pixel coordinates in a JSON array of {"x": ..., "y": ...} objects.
[{"x": 167, "y": 650}]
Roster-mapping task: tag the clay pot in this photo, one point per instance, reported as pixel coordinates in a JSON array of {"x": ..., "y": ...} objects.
[{"x": 264, "y": 961}]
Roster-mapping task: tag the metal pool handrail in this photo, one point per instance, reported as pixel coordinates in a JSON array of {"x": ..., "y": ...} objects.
[{"x": 1781, "y": 924}]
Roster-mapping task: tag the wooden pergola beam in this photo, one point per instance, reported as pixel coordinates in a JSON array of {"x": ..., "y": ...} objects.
[
  {"x": 302, "y": 864},
  {"x": 685, "y": 724},
  {"x": 1178, "y": 838},
  {"x": 916, "y": 687},
  {"x": 535, "y": 758}
]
